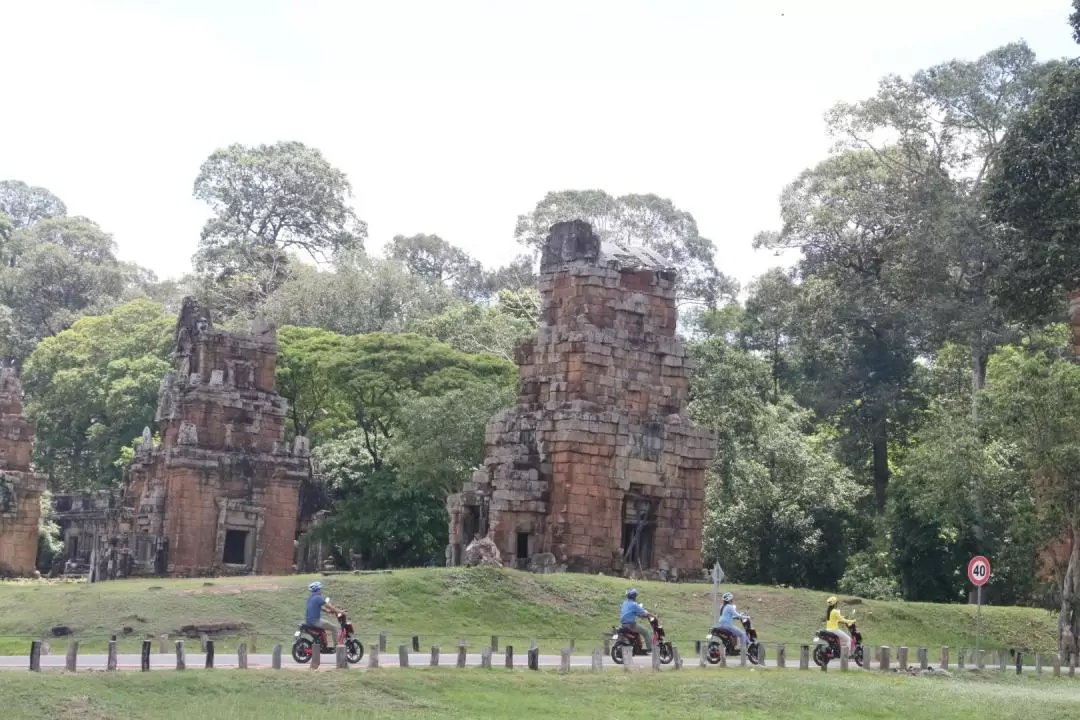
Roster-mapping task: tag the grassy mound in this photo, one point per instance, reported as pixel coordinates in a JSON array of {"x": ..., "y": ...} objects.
[
  {"x": 472, "y": 693},
  {"x": 442, "y": 605}
]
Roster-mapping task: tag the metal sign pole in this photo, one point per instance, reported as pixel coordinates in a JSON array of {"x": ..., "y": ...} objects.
[{"x": 978, "y": 616}]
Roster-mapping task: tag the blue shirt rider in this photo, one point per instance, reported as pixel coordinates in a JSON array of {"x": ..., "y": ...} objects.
[
  {"x": 317, "y": 604},
  {"x": 728, "y": 616},
  {"x": 630, "y": 611}
]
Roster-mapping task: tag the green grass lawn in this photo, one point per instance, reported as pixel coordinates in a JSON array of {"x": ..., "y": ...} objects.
[
  {"x": 444, "y": 604},
  {"x": 474, "y": 693}
]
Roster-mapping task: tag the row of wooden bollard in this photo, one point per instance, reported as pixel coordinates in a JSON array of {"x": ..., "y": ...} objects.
[{"x": 71, "y": 659}]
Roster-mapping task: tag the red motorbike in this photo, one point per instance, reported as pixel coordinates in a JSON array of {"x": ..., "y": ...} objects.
[
  {"x": 823, "y": 653},
  {"x": 306, "y": 636},
  {"x": 623, "y": 638},
  {"x": 722, "y": 641}
]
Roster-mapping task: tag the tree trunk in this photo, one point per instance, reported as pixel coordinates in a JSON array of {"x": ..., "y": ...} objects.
[
  {"x": 881, "y": 463},
  {"x": 979, "y": 358},
  {"x": 1069, "y": 621}
]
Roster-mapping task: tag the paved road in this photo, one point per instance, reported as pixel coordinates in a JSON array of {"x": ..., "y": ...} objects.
[{"x": 387, "y": 659}]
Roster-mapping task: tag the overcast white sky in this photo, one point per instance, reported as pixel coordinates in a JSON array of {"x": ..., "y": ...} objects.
[{"x": 454, "y": 116}]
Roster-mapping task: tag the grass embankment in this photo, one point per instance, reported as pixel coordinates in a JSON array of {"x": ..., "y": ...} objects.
[
  {"x": 448, "y": 693},
  {"x": 441, "y": 605}
]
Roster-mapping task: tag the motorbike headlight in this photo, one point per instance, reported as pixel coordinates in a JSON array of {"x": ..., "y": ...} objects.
[{"x": 296, "y": 634}]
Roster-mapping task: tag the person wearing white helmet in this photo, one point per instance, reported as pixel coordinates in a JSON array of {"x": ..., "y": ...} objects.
[
  {"x": 317, "y": 604},
  {"x": 728, "y": 616}
]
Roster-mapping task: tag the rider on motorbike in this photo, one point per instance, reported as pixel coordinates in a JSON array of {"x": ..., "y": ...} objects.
[
  {"x": 728, "y": 616},
  {"x": 630, "y": 611},
  {"x": 833, "y": 621},
  {"x": 317, "y": 604}
]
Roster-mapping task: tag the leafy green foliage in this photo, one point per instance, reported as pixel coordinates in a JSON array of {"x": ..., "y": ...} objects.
[
  {"x": 25, "y": 205},
  {"x": 92, "y": 388}
]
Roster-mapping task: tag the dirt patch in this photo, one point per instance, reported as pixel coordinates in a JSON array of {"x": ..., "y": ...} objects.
[
  {"x": 232, "y": 589},
  {"x": 79, "y": 707},
  {"x": 214, "y": 628}
]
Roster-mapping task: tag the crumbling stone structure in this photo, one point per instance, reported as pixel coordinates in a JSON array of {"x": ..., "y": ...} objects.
[
  {"x": 20, "y": 486},
  {"x": 219, "y": 494},
  {"x": 597, "y": 468}
]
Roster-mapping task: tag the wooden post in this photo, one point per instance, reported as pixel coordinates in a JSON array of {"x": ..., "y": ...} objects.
[
  {"x": 72, "y": 656},
  {"x": 1072, "y": 664},
  {"x": 980, "y": 659},
  {"x": 924, "y": 658},
  {"x": 571, "y": 644},
  {"x": 1057, "y": 665},
  {"x": 960, "y": 660},
  {"x": 804, "y": 657},
  {"x": 382, "y": 641},
  {"x": 461, "y": 655},
  {"x": 241, "y": 655},
  {"x": 434, "y": 656},
  {"x": 781, "y": 660},
  {"x": 403, "y": 656},
  {"x": 209, "y": 654},
  {"x": 110, "y": 659},
  {"x": 275, "y": 657},
  {"x": 485, "y": 658},
  {"x": 597, "y": 660},
  {"x": 742, "y": 656},
  {"x": 416, "y": 643},
  {"x": 203, "y": 639},
  {"x": 251, "y": 645},
  {"x": 509, "y": 657},
  {"x": 373, "y": 657},
  {"x": 845, "y": 656},
  {"x": 145, "y": 658},
  {"x": 607, "y": 644},
  {"x": 181, "y": 663},
  {"x": 564, "y": 660},
  {"x": 723, "y": 656},
  {"x": 35, "y": 656},
  {"x": 676, "y": 657},
  {"x": 883, "y": 657},
  {"x": 534, "y": 658},
  {"x": 901, "y": 658},
  {"x": 494, "y": 643},
  {"x": 701, "y": 651},
  {"x": 655, "y": 658},
  {"x": 1001, "y": 660},
  {"x": 1038, "y": 663},
  {"x": 341, "y": 655},
  {"x": 45, "y": 647},
  {"x": 316, "y": 656},
  {"x": 163, "y": 644},
  {"x": 1019, "y": 662},
  {"x": 945, "y": 657}
]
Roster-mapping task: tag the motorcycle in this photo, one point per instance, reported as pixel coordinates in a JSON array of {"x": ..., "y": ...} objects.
[
  {"x": 623, "y": 638},
  {"x": 722, "y": 641},
  {"x": 306, "y": 636},
  {"x": 827, "y": 646}
]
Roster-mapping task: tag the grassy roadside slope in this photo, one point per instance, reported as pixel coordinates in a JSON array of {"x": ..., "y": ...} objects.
[
  {"x": 448, "y": 693},
  {"x": 444, "y": 604}
]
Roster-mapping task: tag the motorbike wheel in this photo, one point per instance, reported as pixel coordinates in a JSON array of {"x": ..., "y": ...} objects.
[
  {"x": 666, "y": 653},
  {"x": 821, "y": 657},
  {"x": 354, "y": 650},
  {"x": 752, "y": 653},
  {"x": 715, "y": 651},
  {"x": 617, "y": 653},
  {"x": 301, "y": 650},
  {"x": 859, "y": 656}
]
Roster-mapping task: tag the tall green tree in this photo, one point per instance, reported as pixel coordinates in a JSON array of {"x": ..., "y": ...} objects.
[
  {"x": 434, "y": 259},
  {"x": 647, "y": 220},
  {"x": 25, "y": 205},
  {"x": 267, "y": 201},
  {"x": 92, "y": 388},
  {"x": 1033, "y": 194},
  {"x": 944, "y": 127}
]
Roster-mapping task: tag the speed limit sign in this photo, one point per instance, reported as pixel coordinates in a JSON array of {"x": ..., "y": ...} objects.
[{"x": 978, "y": 570}]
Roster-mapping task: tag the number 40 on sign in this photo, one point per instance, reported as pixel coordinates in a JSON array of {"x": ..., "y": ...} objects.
[{"x": 978, "y": 570}]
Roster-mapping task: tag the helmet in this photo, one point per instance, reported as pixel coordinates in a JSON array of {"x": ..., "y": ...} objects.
[
  {"x": 832, "y": 600},
  {"x": 631, "y": 594},
  {"x": 315, "y": 586},
  {"x": 728, "y": 597}
]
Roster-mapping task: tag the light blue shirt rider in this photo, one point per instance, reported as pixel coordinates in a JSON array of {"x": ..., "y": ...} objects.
[
  {"x": 630, "y": 611},
  {"x": 729, "y": 615}
]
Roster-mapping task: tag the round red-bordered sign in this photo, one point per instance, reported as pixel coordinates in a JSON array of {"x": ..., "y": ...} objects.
[{"x": 978, "y": 570}]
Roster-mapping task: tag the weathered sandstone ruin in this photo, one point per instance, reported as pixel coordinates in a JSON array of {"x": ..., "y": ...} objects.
[{"x": 20, "y": 487}]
